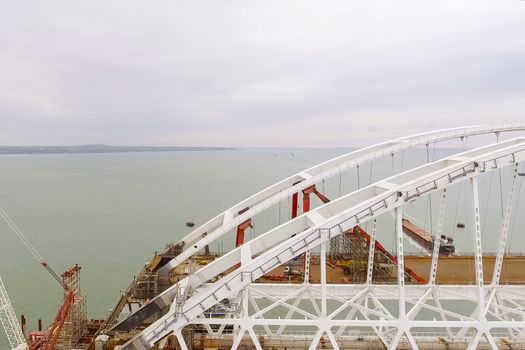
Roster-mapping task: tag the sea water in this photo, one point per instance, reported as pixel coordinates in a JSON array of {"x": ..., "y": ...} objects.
[{"x": 110, "y": 212}]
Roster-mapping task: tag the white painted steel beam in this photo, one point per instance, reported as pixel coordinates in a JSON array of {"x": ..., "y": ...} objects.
[
  {"x": 371, "y": 253},
  {"x": 229, "y": 219},
  {"x": 386, "y": 291},
  {"x": 502, "y": 241},
  {"x": 478, "y": 255},
  {"x": 437, "y": 239},
  {"x": 277, "y": 246}
]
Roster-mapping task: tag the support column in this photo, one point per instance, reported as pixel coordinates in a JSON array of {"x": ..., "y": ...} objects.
[
  {"x": 307, "y": 264},
  {"x": 505, "y": 228},
  {"x": 295, "y": 198},
  {"x": 322, "y": 267},
  {"x": 371, "y": 253},
  {"x": 402, "y": 322},
  {"x": 437, "y": 240},
  {"x": 181, "y": 340},
  {"x": 478, "y": 256},
  {"x": 400, "y": 262}
]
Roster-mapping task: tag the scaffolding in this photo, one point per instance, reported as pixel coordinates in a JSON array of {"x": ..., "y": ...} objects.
[
  {"x": 76, "y": 322},
  {"x": 350, "y": 252},
  {"x": 146, "y": 286}
]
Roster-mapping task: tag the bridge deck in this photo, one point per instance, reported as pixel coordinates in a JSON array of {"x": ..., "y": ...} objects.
[
  {"x": 461, "y": 270},
  {"x": 451, "y": 270},
  {"x": 302, "y": 341}
]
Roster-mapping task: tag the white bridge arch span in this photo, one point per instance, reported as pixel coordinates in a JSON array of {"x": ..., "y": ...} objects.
[
  {"x": 248, "y": 208},
  {"x": 497, "y": 307}
]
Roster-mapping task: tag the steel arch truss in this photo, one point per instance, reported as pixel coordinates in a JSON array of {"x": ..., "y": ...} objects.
[
  {"x": 391, "y": 313},
  {"x": 366, "y": 313},
  {"x": 248, "y": 208}
]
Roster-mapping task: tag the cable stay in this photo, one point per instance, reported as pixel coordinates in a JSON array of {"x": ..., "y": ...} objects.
[
  {"x": 31, "y": 248},
  {"x": 69, "y": 299}
]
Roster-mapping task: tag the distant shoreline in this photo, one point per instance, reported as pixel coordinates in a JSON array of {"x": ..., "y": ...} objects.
[{"x": 86, "y": 149}]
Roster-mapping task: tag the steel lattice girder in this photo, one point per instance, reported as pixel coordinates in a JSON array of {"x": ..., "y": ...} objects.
[{"x": 9, "y": 322}]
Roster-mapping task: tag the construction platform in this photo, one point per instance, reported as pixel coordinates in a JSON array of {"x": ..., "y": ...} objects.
[
  {"x": 348, "y": 268},
  {"x": 451, "y": 270}
]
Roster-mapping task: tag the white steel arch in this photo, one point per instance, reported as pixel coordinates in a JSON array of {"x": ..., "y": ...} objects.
[
  {"x": 230, "y": 218},
  {"x": 496, "y": 307},
  {"x": 272, "y": 195}
]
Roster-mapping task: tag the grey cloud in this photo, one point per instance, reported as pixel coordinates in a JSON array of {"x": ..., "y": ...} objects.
[{"x": 261, "y": 73}]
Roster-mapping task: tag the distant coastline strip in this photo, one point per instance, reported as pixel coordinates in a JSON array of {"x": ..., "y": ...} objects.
[{"x": 80, "y": 149}]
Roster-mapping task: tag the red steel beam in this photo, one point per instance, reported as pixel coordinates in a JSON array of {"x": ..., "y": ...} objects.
[
  {"x": 240, "y": 231},
  {"x": 239, "y": 240},
  {"x": 60, "y": 318},
  {"x": 392, "y": 258},
  {"x": 306, "y": 197}
]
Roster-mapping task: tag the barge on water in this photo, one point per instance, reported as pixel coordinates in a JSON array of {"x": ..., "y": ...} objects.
[{"x": 426, "y": 241}]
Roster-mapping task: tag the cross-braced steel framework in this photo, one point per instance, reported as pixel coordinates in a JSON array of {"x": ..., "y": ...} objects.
[
  {"x": 76, "y": 321},
  {"x": 9, "y": 322},
  {"x": 341, "y": 315}
]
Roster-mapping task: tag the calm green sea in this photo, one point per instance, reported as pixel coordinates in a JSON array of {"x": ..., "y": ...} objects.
[{"x": 110, "y": 212}]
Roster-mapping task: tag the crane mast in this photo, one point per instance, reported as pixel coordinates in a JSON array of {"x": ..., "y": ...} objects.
[{"x": 9, "y": 321}]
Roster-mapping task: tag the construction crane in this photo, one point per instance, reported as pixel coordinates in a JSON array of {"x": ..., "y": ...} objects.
[
  {"x": 11, "y": 325},
  {"x": 9, "y": 322}
]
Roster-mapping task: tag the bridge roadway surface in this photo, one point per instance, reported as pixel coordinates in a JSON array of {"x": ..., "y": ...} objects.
[{"x": 451, "y": 270}]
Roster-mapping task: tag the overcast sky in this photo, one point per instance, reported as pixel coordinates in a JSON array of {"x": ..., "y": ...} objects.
[{"x": 255, "y": 73}]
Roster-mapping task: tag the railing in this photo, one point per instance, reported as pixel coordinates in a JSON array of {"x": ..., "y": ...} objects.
[{"x": 351, "y": 334}]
